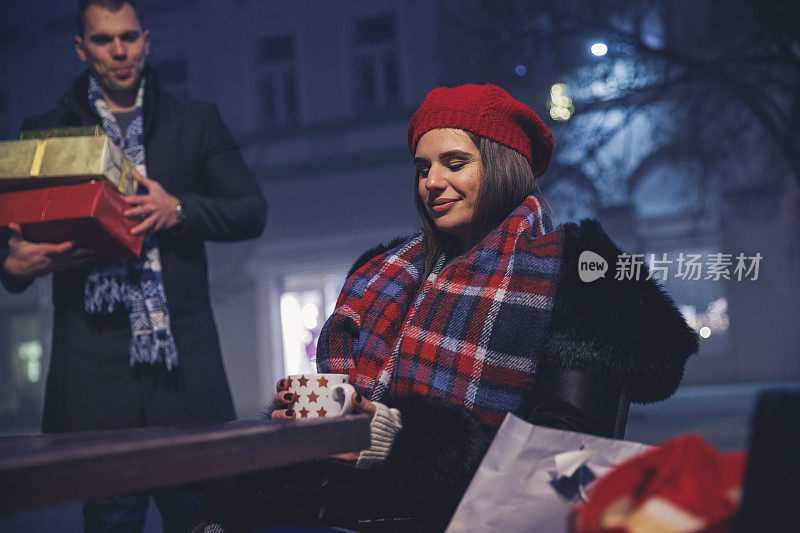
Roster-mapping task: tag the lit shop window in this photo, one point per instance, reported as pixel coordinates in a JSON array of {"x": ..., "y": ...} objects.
[
  {"x": 24, "y": 346},
  {"x": 306, "y": 302},
  {"x": 29, "y": 354},
  {"x": 278, "y": 81},
  {"x": 377, "y": 76},
  {"x": 21, "y": 372}
]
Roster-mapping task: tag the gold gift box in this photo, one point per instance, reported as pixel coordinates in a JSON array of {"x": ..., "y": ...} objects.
[{"x": 47, "y": 158}]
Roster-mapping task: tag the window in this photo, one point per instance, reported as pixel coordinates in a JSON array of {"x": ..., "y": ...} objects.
[
  {"x": 305, "y": 303},
  {"x": 21, "y": 372},
  {"x": 277, "y": 50},
  {"x": 377, "y": 77},
  {"x": 375, "y": 30},
  {"x": 278, "y": 81}
]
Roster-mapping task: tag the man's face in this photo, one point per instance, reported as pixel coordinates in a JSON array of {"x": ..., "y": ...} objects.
[{"x": 115, "y": 47}]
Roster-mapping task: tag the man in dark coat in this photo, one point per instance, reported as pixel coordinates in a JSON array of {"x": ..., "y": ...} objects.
[{"x": 198, "y": 189}]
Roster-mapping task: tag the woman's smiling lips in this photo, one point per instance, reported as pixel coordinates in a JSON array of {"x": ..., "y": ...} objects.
[{"x": 442, "y": 204}]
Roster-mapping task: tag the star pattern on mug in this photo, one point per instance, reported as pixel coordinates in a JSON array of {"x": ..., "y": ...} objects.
[
  {"x": 322, "y": 412},
  {"x": 303, "y": 381},
  {"x": 313, "y": 397},
  {"x": 323, "y": 382},
  {"x": 304, "y": 412}
]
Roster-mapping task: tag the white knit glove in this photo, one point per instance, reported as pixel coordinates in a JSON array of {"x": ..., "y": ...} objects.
[{"x": 385, "y": 425}]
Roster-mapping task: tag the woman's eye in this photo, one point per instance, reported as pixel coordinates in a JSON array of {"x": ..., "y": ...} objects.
[
  {"x": 422, "y": 173},
  {"x": 455, "y": 167}
]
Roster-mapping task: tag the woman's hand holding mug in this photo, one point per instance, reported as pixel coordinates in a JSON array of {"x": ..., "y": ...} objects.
[{"x": 316, "y": 396}]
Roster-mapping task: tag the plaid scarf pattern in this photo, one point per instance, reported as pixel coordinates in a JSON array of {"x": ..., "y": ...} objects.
[
  {"x": 473, "y": 334},
  {"x": 133, "y": 284}
]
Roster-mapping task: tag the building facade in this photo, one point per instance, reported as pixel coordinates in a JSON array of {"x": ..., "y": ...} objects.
[{"x": 319, "y": 95}]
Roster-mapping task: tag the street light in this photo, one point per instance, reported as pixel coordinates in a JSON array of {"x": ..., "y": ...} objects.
[{"x": 599, "y": 49}]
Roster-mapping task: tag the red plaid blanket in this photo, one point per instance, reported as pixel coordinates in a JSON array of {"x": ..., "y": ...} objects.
[{"x": 473, "y": 334}]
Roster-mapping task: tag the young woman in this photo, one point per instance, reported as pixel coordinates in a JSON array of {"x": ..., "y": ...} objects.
[{"x": 483, "y": 314}]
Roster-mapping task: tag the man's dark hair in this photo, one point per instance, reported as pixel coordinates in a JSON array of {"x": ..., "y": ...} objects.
[{"x": 111, "y": 5}]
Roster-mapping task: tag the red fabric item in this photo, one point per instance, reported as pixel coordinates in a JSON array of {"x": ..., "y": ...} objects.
[
  {"x": 489, "y": 111},
  {"x": 681, "y": 486},
  {"x": 88, "y": 213}
]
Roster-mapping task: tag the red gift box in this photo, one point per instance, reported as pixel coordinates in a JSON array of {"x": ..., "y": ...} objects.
[{"x": 88, "y": 213}]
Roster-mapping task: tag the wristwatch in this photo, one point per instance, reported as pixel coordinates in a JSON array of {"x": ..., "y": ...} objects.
[{"x": 180, "y": 213}]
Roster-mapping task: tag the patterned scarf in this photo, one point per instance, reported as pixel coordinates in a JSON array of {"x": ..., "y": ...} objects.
[
  {"x": 474, "y": 331},
  {"x": 132, "y": 284}
]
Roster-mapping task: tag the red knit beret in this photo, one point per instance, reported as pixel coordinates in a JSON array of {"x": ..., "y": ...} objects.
[{"x": 489, "y": 111}]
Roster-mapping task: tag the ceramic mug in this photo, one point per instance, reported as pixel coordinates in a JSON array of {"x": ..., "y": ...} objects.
[{"x": 321, "y": 395}]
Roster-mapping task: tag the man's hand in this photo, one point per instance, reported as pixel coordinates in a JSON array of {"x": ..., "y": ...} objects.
[
  {"x": 28, "y": 260},
  {"x": 158, "y": 208}
]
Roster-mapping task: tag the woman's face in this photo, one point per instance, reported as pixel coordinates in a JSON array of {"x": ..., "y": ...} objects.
[{"x": 449, "y": 173}]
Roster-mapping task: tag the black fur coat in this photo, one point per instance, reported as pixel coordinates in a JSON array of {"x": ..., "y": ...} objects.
[{"x": 624, "y": 332}]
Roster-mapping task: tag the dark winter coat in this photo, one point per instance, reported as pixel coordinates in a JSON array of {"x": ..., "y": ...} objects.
[
  {"x": 90, "y": 384},
  {"x": 606, "y": 338}
]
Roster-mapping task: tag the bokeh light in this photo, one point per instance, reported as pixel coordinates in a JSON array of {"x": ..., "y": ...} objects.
[
  {"x": 560, "y": 104},
  {"x": 599, "y": 49}
]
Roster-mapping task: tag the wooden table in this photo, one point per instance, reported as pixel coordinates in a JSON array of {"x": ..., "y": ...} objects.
[{"x": 42, "y": 470}]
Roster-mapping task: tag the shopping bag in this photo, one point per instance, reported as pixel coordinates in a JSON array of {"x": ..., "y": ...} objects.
[{"x": 532, "y": 476}]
